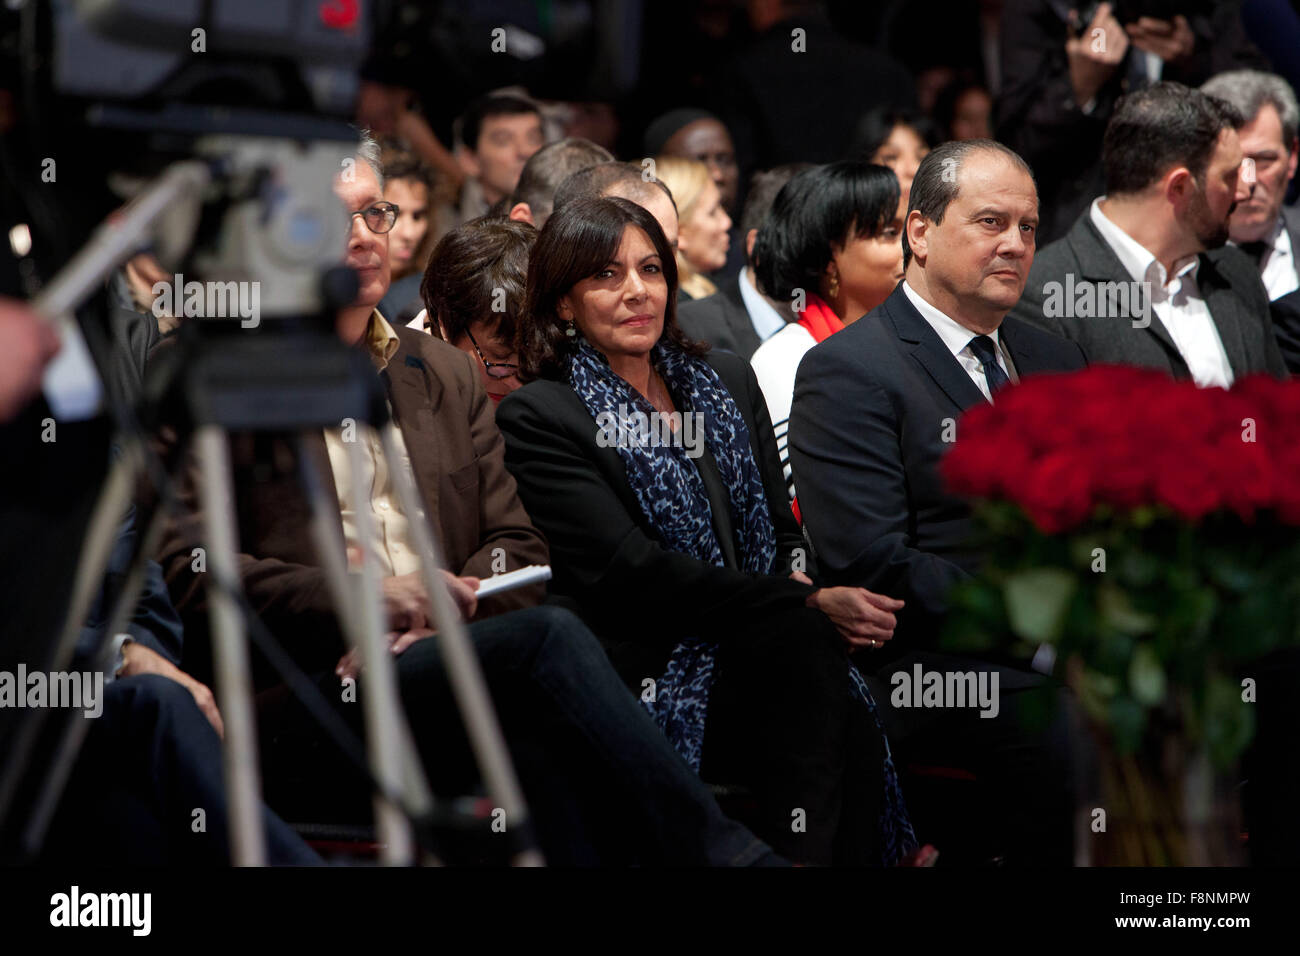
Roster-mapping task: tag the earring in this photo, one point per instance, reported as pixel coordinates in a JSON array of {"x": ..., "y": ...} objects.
[
  {"x": 572, "y": 330},
  {"x": 834, "y": 287}
]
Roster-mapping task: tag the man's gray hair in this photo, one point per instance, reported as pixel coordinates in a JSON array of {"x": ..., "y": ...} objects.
[
  {"x": 1250, "y": 90},
  {"x": 935, "y": 185},
  {"x": 368, "y": 149}
]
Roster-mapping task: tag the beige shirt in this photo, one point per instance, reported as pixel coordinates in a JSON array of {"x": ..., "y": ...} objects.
[{"x": 392, "y": 544}]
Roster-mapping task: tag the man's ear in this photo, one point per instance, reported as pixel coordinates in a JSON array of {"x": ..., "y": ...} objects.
[
  {"x": 1179, "y": 186},
  {"x": 750, "y": 238},
  {"x": 1291, "y": 162},
  {"x": 918, "y": 235},
  {"x": 521, "y": 212},
  {"x": 468, "y": 162}
]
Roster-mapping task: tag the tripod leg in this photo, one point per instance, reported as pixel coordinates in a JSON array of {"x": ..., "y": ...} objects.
[
  {"x": 230, "y": 650},
  {"x": 462, "y": 664},
  {"x": 109, "y": 511},
  {"x": 386, "y": 727},
  {"x": 417, "y": 799}
]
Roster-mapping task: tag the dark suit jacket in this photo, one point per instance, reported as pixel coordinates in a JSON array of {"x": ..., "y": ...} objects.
[
  {"x": 638, "y": 597},
  {"x": 866, "y": 437},
  {"x": 721, "y": 320},
  {"x": 457, "y": 455},
  {"x": 1227, "y": 278},
  {"x": 763, "y": 94},
  {"x": 1286, "y": 310},
  {"x": 1038, "y": 117}
]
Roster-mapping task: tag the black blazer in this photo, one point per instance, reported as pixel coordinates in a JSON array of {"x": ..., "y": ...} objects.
[
  {"x": 721, "y": 320},
  {"x": 638, "y": 597},
  {"x": 1286, "y": 310},
  {"x": 1227, "y": 278},
  {"x": 871, "y": 407}
]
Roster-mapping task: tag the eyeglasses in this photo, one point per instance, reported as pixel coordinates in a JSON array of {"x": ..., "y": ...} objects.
[
  {"x": 494, "y": 369},
  {"x": 380, "y": 217}
]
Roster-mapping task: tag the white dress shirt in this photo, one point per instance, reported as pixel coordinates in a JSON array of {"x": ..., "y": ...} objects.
[
  {"x": 1177, "y": 303},
  {"x": 765, "y": 319},
  {"x": 1277, "y": 267},
  {"x": 958, "y": 338},
  {"x": 775, "y": 364}
]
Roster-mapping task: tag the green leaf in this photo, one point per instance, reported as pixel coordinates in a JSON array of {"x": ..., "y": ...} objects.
[
  {"x": 1146, "y": 678},
  {"x": 1117, "y": 611},
  {"x": 1229, "y": 721},
  {"x": 1037, "y": 601}
]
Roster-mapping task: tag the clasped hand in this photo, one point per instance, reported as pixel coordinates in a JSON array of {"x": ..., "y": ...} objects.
[{"x": 410, "y": 613}]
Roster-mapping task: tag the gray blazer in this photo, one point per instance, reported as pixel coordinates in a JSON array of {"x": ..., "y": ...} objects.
[{"x": 1227, "y": 279}]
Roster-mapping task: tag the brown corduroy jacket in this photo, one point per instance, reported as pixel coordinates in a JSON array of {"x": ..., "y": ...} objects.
[{"x": 457, "y": 456}]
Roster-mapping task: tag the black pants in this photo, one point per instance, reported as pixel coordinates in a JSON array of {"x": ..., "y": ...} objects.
[
  {"x": 783, "y": 723},
  {"x": 603, "y": 784},
  {"x": 988, "y": 788},
  {"x": 147, "y": 789}
]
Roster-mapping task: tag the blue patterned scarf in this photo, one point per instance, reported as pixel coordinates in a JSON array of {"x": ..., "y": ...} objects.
[{"x": 671, "y": 493}]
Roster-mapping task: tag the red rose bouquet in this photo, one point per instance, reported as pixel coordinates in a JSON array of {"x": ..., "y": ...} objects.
[{"x": 1145, "y": 535}]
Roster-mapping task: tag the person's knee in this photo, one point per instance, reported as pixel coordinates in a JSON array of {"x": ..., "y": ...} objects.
[{"x": 154, "y": 691}]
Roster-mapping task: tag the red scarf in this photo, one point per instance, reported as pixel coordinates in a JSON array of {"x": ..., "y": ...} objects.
[
  {"x": 819, "y": 319},
  {"x": 821, "y": 322}
]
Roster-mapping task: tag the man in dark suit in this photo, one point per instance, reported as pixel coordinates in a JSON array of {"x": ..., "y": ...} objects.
[
  {"x": 762, "y": 94},
  {"x": 1144, "y": 278},
  {"x": 875, "y": 407},
  {"x": 603, "y": 783},
  {"x": 1062, "y": 76},
  {"x": 738, "y": 317},
  {"x": 1262, "y": 226}
]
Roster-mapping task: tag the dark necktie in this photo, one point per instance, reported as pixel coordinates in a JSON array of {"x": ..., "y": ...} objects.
[
  {"x": 1257, "y": 250},
  {"x": 986, "y": 350}
]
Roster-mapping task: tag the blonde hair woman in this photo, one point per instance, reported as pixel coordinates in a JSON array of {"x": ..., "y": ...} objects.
[{"x": 703, "y": 223}]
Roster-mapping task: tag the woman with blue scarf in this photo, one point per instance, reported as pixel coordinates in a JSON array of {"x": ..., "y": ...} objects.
[{"x": 652, "y": 469}]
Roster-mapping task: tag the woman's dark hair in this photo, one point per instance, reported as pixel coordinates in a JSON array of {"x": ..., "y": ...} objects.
[
  {"x": 578, "y": 241},
  {"x": 827, "y": 204},
  {"x": 877, "y": 125},
  {"x": 477, "y": 272}
]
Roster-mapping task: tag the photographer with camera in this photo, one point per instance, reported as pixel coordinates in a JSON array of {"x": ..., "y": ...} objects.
[{"x": 1065, "y": 64}]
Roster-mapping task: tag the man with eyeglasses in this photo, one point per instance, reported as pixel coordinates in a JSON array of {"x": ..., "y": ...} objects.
[{"x": 604, "y": 784}]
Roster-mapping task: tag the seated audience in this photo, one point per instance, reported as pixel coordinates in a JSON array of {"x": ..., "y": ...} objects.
[
  {"x": 703, "y": 225},
  {"x": 551, "y": 165},
  {"x": 625, "y": 181},
  {"x": 495, "y": 136},
  {"x": 897, "y": 139},
  {"x": 1062, "y": 79},
  {"x": 738, "y": 317},
  {"x": 1264, "y": 228},
  {"x": 874, "y": 409},
  {"x": 473, "y": 290},
  {"x": 603, "y": 783},
  {"x": 1144, "y": 277},
  {"x": 681, "y": 550},
  {"x": 833, "y": 244},
  {"x": 408, "y": 185},
  {"x": 154, "y": 753},
  {"x": 698, "y": 135},
  {"x": 964, "y": 110}
]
